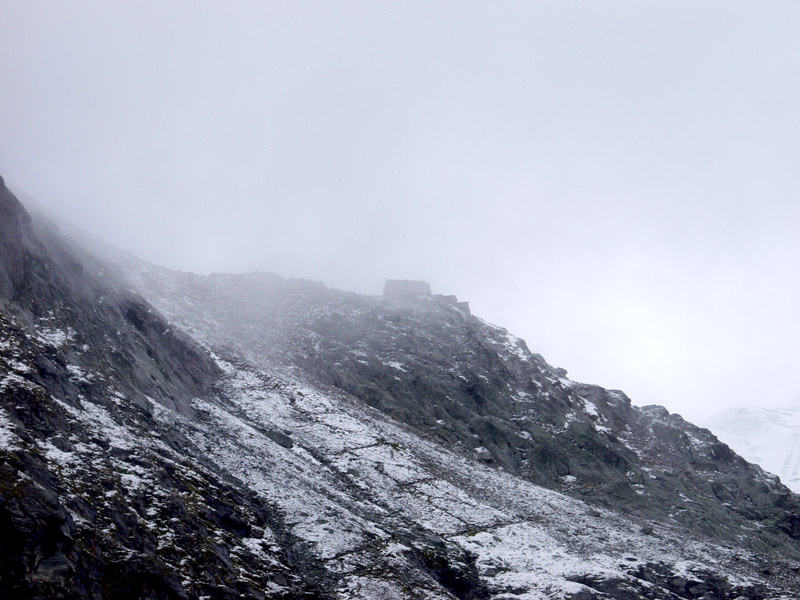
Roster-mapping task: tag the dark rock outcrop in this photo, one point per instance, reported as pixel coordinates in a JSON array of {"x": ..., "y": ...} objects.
[{"x": 47, "y": 291}]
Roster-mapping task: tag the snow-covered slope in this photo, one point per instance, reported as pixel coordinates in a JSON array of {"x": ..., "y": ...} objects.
[
  {"x": 769, "y": 437},
  {"x": 272, "y": 486},
  {"x": 478, "y": 390}
]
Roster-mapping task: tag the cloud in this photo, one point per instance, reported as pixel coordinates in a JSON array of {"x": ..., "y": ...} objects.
[{"x": 614, "y": 182}]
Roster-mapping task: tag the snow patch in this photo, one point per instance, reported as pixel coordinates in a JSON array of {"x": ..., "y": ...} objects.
[
  {"x": 8, "y": 439},
  {"x": 55, "y": 337}
]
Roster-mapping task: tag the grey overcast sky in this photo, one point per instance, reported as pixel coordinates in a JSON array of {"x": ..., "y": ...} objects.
[{"x": 615, "y": 182}]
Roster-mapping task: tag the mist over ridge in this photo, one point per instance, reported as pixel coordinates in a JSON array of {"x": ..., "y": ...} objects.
[{"x": 615, "y": 184}]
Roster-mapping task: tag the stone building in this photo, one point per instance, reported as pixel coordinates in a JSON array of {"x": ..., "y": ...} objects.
[
  {"x": 411, "y": 289},
  {"x": 406, "y": 288}
]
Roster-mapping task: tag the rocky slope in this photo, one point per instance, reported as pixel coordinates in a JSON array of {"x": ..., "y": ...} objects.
[
  {"x": 767, "y": 436},
  {"x": 85, "y": 365},
  {"x": 300, "y": 442},
  {"x": 469, "y": 385}
]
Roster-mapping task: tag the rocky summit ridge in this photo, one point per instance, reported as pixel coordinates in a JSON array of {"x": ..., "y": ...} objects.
[{"x": 171, "y": 435}]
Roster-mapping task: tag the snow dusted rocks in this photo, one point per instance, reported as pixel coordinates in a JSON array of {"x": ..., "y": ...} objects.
[
  {"x": 307, "y": 443},
  {"x": 474, "y": 388},
  {"x": 96, "y": 499}
]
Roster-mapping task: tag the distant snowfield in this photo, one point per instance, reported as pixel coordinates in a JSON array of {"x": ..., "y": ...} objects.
[{"x": 769, "y": 437}]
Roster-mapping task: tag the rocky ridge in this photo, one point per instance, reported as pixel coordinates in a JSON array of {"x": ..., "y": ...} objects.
[
  {"x": 467, "y": 384},
  {"x": 300, "y": 442}
]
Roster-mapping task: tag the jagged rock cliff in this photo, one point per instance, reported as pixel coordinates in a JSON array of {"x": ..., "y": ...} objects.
[{"x": 301, "y": 442}]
